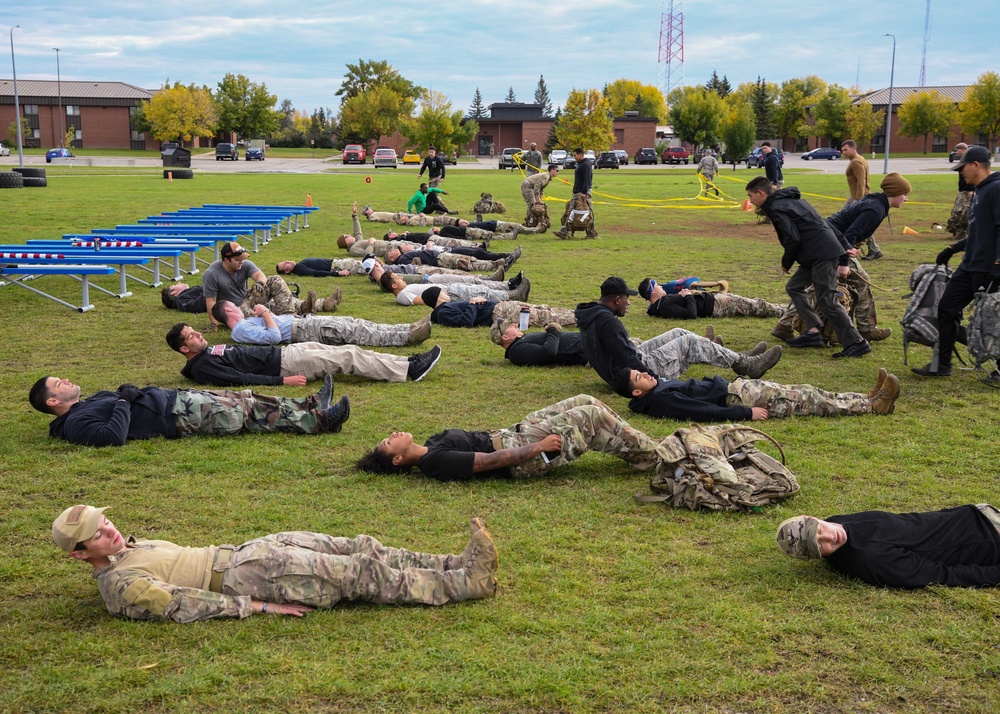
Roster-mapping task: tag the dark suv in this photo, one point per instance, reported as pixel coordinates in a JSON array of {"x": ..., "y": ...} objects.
[
  {"x": 607, "y": 160},
  {"x": 227, "y": 151},
  {"x": 646, "y": 156}
]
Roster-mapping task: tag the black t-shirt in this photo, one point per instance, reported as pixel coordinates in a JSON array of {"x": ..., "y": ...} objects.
[{"x": 451, "y": 455}]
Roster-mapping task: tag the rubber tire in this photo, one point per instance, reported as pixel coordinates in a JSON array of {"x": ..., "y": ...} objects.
[
  {"x": 831, "y": 158},
  {"x": 35, "y": 182},
  {"x": 179, "y": 173},
  {"x": 9, "y": 179},
  {"x": 807, "y": 158},
  {"x": 30, "y": 171}
]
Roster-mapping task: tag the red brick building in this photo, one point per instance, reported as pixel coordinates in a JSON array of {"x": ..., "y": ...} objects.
[{"x": 99, "y": 112}]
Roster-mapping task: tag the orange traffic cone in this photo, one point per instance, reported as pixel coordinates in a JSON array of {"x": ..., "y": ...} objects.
[
  {"x": 907, "y": 231},
  {"x": 309, "y": 200},
  {"x": 747, "y": 206}
]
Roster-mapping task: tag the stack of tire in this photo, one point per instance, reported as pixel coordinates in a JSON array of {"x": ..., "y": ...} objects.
[
  {"x": 23, "y": 178},
  {"x": 178, "y": 173}
]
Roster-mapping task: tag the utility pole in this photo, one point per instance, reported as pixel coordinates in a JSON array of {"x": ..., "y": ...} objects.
[{"x": 62, "y": 118}]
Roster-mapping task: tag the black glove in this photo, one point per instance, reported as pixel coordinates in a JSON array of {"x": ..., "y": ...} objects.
[
  {"x": 944, "y": 256},
  {"x": 129, "y": 392}
]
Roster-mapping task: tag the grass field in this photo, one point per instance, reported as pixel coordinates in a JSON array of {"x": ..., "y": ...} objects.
[{"x": 604, "y": 605}]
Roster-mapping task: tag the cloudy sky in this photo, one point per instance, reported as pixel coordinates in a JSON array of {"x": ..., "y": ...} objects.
[{"x": 300, "y": 49}]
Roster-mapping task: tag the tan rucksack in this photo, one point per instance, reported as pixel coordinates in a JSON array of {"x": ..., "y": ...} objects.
[{"x": 718, "y": 468}]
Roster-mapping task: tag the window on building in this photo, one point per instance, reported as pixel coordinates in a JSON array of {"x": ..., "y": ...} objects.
[
  {"x": 940, "y": 144},
  {"x": 72, "y": 110},
  {"x": 29, "y": 109}
]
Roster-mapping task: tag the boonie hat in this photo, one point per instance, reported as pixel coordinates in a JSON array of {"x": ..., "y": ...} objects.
[
  {"x": 75, "y": 524},
  {"x": 797, "y": 537},
  {"x": 231, "y": 249},
  {"x": 974, "y": 153},
  {"x": 615, "y": 286}
]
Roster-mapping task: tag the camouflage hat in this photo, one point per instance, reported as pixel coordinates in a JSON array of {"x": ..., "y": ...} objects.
[
  {"x": 76, "y": 524},
  {"x": 797, "y": 537},
  {"x": 497, "y": 329}
]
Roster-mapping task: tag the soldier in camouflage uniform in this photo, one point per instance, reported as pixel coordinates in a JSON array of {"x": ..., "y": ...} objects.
[
  {"x": 415, "y": 274},
  {"x": 112, "y": 418},
  {"x": 958, "y": 221},
  {"x": 288, "y": 573},
  {"x": 269, "y": 329},
  {"x": 538, "y": 315},
  {"x": 544, "y": 440},
  {"x": 690, "y": 304}
]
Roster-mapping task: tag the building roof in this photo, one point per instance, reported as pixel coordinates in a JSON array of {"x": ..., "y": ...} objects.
[
  {"x": 901, "y": 94},
  {"x": 83, "y": 90}
]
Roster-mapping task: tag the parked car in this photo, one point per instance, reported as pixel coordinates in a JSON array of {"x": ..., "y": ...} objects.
[
  {"x": 831, "y": 154},
  {"x": 676, "y": 155},
  {"x": 570, "y": 161},
  {"x": 412, "y": 157},
  {"x": 607, "y": 160},
  {"x": 622, "y": 157},
  {"x": 755, "y": 159},
  {"x": 589, "y": 154},
  {"x": 557, "y": 157},
  {"x": 646, "y": 156},
  {"x": 507, "y": 160},
  {"x": 385, "y": 157},
  {"x": 451, "y": 158},
  {"x": 227, "y": 151},
  {"x": 57, "y": 154},
  {"x": 953, "y": 156},
  {"x": 353, "y": 154},
  {"x": 254, "y": 153},
  {"x": 4, "y": 151}
]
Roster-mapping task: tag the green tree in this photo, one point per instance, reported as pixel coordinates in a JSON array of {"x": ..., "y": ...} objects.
[
  {"x": 246, "y": 107},
  {"x": 510, "y": 95},
  {"x": 722, "y": 87},
  {"x": 762, "y": 96},
  {"x": 477, "y": 110},
  {"x": 321, "y": 128},
  {"x": 738, "y": 128},
  {"x": 925, "y": 113},
  {"x": 830, "y": 113},
  {"x": 438, "y": 125},
  {"x": 695, "y": 113},
  {"x": 586, "y": 121},
  {"x": 980, "y": 112},
  {"x": 375, "y": 113},
  {"x": 625, "y": 95},
  {"x": 863, "y": 122},
  {"x": 368, "y": 74},
  {"x": 794, "y": 99},
  {"x": 552, "y": 140},
  {"x": 12, "y": 131},
  {"x": 180, "y": 113},
  {"x": 542, "y": 97}
]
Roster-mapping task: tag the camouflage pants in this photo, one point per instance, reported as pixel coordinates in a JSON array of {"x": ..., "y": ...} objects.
[
  {"x": 822, "y": 275},
  {"x": 351, "y": 265},
  {"x": 466, "y": 262},
  {"x": 732, "y": 305},
  {"x": 225, "y": 413},
  {"x": 670, "y": 354},
  {"x": 958, "y": 221},
  {"x": 273, "y": 293},
  {"x": 348, "y": 331},
  {"x": 538, "y": 315},
  {"x": 403, "y": 219},
  {"x": 483, "y": 234},
  {"x": 467, "y": 291},
  {"x": 585, "y": 424},
  {"x": 859, "y": 281},
  {"x": 446, "y": 242},
  {"x": 318, "y": 570},
  {"x": 315, "y": 360},
  {"x": 528, "y": 194},
  {"x": 786, "y": 400}
]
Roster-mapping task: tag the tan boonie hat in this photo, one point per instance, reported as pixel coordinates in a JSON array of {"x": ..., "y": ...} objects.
[
  {"x": 498, "y": 328},
  {"x": 76, "y": 524},
  {"x": 895, "y": 185},
  {"x": 797, "y": 537}
]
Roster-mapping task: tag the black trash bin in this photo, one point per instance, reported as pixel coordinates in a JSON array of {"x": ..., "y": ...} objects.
[{"x": 175, "y": 155}]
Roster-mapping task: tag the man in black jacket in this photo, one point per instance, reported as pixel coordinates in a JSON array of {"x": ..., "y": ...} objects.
[
  {"x": 608, "y": 347},
  {"x": 112, "y": 418},
  {"x": 772, "y": 166},
  {"x": 434, "y": 166},
  {"x": 957, "y": 547},
  {"x": 581, "y": 203},
  {"x": 183, "y": 297},
  {"x": 809, "y": 241},
  {"x": 232, "y": 365},
  {"x": 980, "y": 266},
  {"x": 552, "y": 347},
  {"x": 715, "y": 399}
]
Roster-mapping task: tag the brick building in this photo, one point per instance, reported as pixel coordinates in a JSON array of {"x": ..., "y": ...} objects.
[{"x": 99, "y": 112}]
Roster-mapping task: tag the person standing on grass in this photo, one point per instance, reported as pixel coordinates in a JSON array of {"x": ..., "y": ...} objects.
[
  {"x": 434, "y": 166},
  {"x": 290, "y": 573},
  {"x": 857, "y": 185}
]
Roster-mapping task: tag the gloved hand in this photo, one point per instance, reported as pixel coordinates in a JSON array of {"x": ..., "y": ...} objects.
[
  {"x": 129, "y": 392},
  {"x": 944, "y": 256}
]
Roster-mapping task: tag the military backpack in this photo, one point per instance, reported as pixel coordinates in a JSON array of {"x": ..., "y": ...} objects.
[
  {"x": 718, "y": 468},
  {"x": 920, "y": 323},
  {"x": 983, "y": 334}
]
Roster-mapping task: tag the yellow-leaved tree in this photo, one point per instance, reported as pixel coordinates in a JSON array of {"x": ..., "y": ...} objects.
[
  {"x": 179, "y": 113},
  {"x": 586, "y": 121}
]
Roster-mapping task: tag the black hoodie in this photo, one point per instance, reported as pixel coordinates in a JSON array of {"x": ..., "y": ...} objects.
[
  {"x": 606, "y": 344},
  {"x": 804, "y": 234}
]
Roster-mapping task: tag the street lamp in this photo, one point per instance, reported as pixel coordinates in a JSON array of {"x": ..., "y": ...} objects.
[
  {"x": 888, "y": 114},
  {"x": 17, "y": 104},
  {"x": 62, "y": 131}
]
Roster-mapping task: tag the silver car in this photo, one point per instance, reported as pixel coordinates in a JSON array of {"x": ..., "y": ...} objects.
[
  {"x": 385, "y": 158},
  {"x": 557, "y": 157}
]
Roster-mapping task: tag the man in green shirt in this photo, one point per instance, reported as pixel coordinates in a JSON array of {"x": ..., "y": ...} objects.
[{"x": 426, "y": 201}]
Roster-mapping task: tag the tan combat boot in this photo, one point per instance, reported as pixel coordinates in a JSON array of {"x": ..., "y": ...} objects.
[
  {"x": 307, "y": 306},
  {"x": 877, "y": 334},
  {"x": 882, "y": 374},
  {"x": 419, "y": 330},
  {"x": 329, "y": 304},
  {"x": 885, "y": 401}
]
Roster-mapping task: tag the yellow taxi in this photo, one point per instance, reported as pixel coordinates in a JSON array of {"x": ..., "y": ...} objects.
[{"x": 412, "y": 157}]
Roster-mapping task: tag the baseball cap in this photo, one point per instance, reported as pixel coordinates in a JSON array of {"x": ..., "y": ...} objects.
[
  {"x": 497, "y": 329},
  {"x": 75, "y": 524},
  {"x": 533, "y": 145},
  {"x": 368, "y": 264},
  {"x": 797, "y": 537},
  {"x": 615, "y": 286},
  {"x": 979, "y": 154},
  {"x": 232, "y": 249}
]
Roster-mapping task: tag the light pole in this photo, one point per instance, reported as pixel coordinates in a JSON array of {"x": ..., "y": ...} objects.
[
  {"x": 888, "y": 114},
  {"x": 17, "y": 101},
  {"x": 62, "y": 131}
]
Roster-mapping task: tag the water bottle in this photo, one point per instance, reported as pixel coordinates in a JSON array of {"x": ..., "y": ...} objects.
[{"x": 523, "y": 323}]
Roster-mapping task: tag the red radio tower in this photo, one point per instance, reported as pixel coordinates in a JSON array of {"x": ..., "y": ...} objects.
[{"x": 671, "y": 55}]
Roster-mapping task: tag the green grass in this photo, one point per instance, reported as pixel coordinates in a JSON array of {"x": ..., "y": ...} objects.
[{"x": 604, "y": 605}]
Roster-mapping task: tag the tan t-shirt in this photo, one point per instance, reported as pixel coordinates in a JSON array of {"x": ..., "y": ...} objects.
[{"x": 857, "y": 177}]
